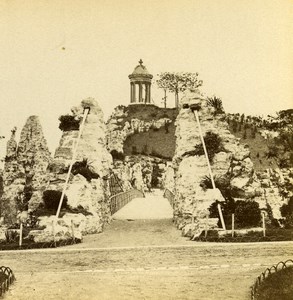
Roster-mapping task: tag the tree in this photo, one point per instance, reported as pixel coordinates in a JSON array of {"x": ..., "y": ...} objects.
[{"x": 178, "y": 82}]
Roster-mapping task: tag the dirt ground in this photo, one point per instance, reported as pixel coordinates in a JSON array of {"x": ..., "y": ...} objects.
[{"x": 141, "y": 260}]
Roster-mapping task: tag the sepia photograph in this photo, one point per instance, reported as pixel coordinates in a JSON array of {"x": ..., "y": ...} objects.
[{"x": 146, "y": 150}]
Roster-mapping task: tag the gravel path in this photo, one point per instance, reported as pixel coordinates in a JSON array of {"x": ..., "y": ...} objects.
[
  {"x": 202, "y": 271},
  {"x": 141, "y": 259}
]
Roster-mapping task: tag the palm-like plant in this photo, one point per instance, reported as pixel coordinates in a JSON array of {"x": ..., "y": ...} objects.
[{"x": 216, "y": 103}]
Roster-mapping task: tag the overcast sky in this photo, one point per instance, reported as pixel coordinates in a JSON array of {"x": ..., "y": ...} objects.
[{"x": 56, "y": 53}]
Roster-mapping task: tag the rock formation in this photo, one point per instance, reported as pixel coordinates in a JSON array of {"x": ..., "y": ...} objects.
[
  {"x": 127, "y": 121},
  {"x": 231, "y": 164},
  {"x": 89, "y": 187},
  {"x": 25, "y": 168},
  {"x": 140, "y": 172}
]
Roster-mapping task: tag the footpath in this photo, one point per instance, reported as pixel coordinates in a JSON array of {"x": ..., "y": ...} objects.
[{"x": 142, "y": 222}]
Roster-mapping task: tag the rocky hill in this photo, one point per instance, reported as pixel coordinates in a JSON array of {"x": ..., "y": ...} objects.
[{"x": 142, "y": 129}]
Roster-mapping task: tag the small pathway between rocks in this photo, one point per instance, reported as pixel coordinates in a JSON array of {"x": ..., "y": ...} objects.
[
  {"x": 153, "y": 206},
  {"x": 142, "y": 222}
]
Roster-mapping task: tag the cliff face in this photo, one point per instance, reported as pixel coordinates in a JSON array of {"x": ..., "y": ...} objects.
[
  {"x": 89, "y": 187},
  {"x": 231, "y": 164},
  {"x": 142, "y": 129},
  {"x": 140, "y": 172},
  {"x": 25, "y": 168}
]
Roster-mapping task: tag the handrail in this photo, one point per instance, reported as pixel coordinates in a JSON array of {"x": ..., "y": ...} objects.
[
  {"x": 121, "y": 199},
  {"x": 10, "y": 278},
  {"x": 268, "y": 271},
  {"x": 170, "y": 196}
]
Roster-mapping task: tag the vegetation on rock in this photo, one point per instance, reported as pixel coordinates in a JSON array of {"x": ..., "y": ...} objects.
[
  {"x": 217, "y": 104},
  {"x": 117, "y": 155},
  {"x": 68, "y": 123},
  {"x": 83, "y": 168},
  {"x": 270, "y": 140},
  {"x": 213, "y": 144},
  {"x": 287, "y": 213}
]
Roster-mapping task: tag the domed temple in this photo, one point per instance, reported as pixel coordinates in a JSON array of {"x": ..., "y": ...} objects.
[{"x": 140, "y": 85}]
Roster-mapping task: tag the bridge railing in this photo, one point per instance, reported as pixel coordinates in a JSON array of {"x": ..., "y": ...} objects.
[
  {"x": 278, "y": 267},
  {"x": 6, "y": 280},
  {"x": 119, "y": 200},
  {"x": 170, "y": 196}
]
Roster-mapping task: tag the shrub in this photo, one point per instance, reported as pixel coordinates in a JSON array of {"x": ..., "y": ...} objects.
[
  {"x": 216, "y": 103},
  {"x": 134, "y": 150},
  {"x": 155, "y": 175},
  {"x": 287, "y": 213},
  {"x": 117, "y": 155},
  {"x": 51, "y": 199},
  {"x": 247, "y": 213},
  {"x": 68, "y": 122},
  {"x": 82, "y": 168},
  {"x": 213, "y": 144},
  {"x": 228, "y": 208}
]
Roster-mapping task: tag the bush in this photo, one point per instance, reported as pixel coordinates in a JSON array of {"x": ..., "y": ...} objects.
[
  {"x": 82, "y": 168},
  {"x": 213, "y": 144},
  {"x": 68, "y": 122},
  {"x": 278, "y": 285},
  {"x": 247, "y": 213},
  {"x": 51, "y": 199},
  {"x": 155, "y": 175},
  {"x": 134, "y": 150},
  {"x": 117, "y": 155},
  {"x": 228, "y": 208},
  {"x": 287, "y": 213}
]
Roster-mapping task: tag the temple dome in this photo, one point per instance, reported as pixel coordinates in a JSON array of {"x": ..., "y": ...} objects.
[{"x": 140, "y": 70}]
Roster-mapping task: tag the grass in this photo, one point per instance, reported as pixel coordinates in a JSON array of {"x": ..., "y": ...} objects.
[
  {"x": 158, "y": 142},
  {"x": 153, "y": 142},
  {"x": 276, "y": 234},
  {"x": 258, "y": 147},
  {"x": 3, "y": 277},
  {"x": 277, "y": 286},
  {"x": 148, "y": 113}
]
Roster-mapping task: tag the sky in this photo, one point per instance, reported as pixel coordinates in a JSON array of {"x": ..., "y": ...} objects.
[{"x": 55, "y": 53}]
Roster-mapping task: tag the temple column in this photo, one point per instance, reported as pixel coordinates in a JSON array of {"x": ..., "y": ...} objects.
[
  {"x": 134, "y": 92},
  {"x": 131, "y": 92},
  {"x": 149, "y": 93},
  {"x": 140, "y": 93},
  {"x": 147, "y": 89}
]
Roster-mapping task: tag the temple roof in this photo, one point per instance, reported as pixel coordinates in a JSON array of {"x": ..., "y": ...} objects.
[{"x": 140, "y": 70}]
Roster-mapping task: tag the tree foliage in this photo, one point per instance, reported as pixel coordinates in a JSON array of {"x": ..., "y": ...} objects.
[
  {"x": 68, "y": 123},
  {"x": 176, "y": 82}
]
